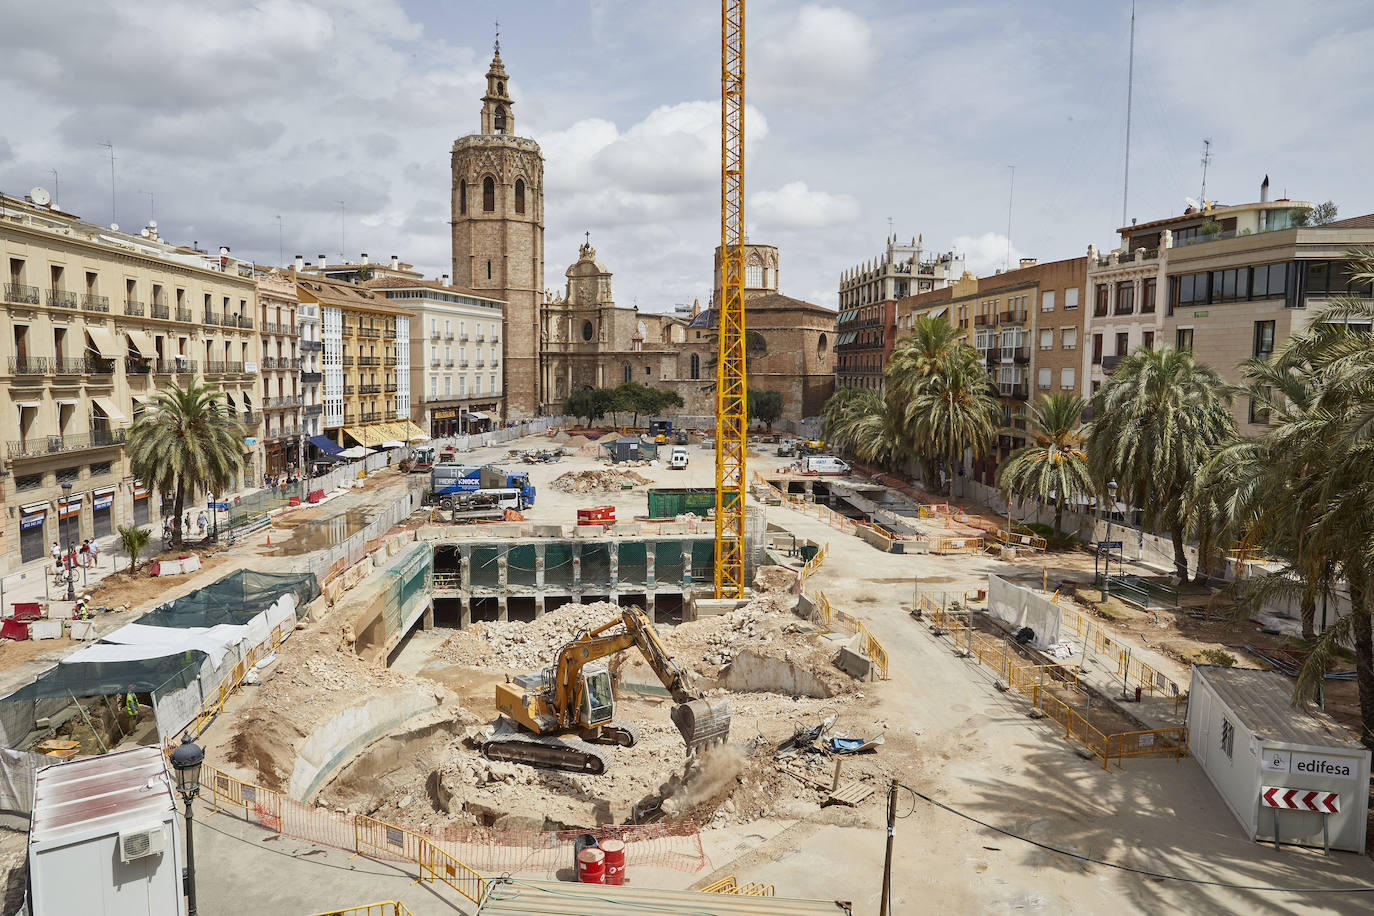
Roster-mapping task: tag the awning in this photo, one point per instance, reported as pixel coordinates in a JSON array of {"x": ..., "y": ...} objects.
[
  {"x": 33, "y": 508},
  {"x": 31, "y": 405},
  {"x": 393, "y": 443},
  {"x": 104, "y": 341},
  {"x": 108, "y": 408},
  {"x": 938, "y": 312},
  {"x": 64, "y": 403},
  {"x": 478, "y": 415},
  {"x": 325, "y": 444},
  {"x": 102, "y": 498},
  {"x": 140, "y": 490},
  {"x": 143, "y": 341},
  {"x": 230, "y": 402},
  {"x": 66, "y": 508}
]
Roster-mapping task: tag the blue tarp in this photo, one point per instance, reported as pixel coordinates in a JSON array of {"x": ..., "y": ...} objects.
[{"x": 326, "y": 445}]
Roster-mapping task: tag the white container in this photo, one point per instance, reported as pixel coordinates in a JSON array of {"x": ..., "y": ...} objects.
[
  {"x": 45, "y": 629},
  {"x": 1245, "y": 734},
  {"x": 104, "y": 838}
]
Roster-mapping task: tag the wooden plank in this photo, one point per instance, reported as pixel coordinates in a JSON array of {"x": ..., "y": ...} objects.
[{"x": 851, "y": 795}]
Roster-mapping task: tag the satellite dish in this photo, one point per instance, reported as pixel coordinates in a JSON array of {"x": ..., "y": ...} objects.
[
  {"x": 40, "y": 196},
  {"x": 145, "y": 233},
  {"x": 152, "y": 224},
  {"x": 1192, "y": 203}
]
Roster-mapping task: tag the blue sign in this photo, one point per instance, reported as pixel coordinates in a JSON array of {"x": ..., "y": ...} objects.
[
  {"x": 104, "y": 502},
  {"x": 32, "y": 520},
  {"x": 1108, "y": 545}
]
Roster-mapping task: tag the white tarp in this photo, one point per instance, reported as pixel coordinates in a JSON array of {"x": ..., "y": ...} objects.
[
  {"x": 136, "y": 641},
  {"x": 17, "y": 772}
]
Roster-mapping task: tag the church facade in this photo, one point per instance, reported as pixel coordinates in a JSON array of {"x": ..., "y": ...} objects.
[{"x": 558, "y": 343}]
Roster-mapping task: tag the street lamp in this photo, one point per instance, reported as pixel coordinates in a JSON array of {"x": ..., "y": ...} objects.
[
  {"x": 1107, "y": 563},
  {"x": 187, "y": 760},
  {"x": 67, "y": 528},
  {"x": 214, "y": 516}
]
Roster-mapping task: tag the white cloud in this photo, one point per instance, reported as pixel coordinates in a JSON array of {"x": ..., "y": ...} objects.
[
  {"x": 795, "y": 206},
  {"x": 987, "y": 253},
  {"x": 824, "y": 52}
]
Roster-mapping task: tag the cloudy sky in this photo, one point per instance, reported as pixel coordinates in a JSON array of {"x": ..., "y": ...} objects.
[{"x": 246, "y": 123}]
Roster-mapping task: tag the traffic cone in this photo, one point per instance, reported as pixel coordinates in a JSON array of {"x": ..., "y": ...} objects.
[{"x": 269, "y": 539}]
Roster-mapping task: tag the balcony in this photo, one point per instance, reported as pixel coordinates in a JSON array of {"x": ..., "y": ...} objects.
[
  {"x": 312, "y": 378},
  {"x": 462, "y": 364},
  {"x": 481, "y": 338},
  {"x": 481, "y": 363},
  {"x": 184, "y": 315},
  {"x": 314, "y": 410},
  {"x": 981, "y": 320},
  {"x": 290, "y": 400},
  {"x": 463, "y": 338},
  {"x": 173, "y": 366},
  {"x": 60, "y": 299},
  {"x": 271, "y": 327},
  {"x": 1016, "y": 392},
  {"x": 1019, "y": 354},
  {"x": 371, "y": 416},
  {"x": 448, "y": 335},
  {"x": 375, "y": 333},
  {"x": 160, "y": 310},
  {"x": 250, "y": 419},
  {"x": 349, "y": 417},
  {"x": 347, "y": 361},
  {"x": 67, "y": 365},
  {"x": 245, "y": 322},
  {"x": 369, "y": 389},
  {"x": 210, "y": 317},
  {"x": 134, "y": 307},
  {"x": 18, "y": 292},
  {"x": 433, "y": 335},
  {"x": 1013, "y": 317},
  {"x": 391, "y": 389},
  {"x": 992, "y": 355},
  {"x": 136, "y": 365},
  {"x": 90, "y": 302},
  {"x": 389, "y": 362},
  {"x": 38, "y": 446},
  {"x": 1109, "y": 363},
  {"x": 496, "y": 364},
  {"x": 282, "y": 432},
  {"x": 312, "y": 346},
  {"x": 369, "y": 360},
  {"x": 216, "y": 367},
  {"x": 31, "y": 366}
]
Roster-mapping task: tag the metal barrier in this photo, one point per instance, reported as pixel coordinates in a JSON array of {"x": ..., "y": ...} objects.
[
  {"x": 955, "y": 545},
  {"x": 439, "y": 864},
  {"x": 384, "y": 908},
  {"x": 1016, "y": 539},
  {"x": 378, "y": 840},
  {"x": 1159, "y": 742},
  {"x": 730, "y": 885},
  {"x": 871, "y": 646},
  {"x": 1130, "y": 669}
]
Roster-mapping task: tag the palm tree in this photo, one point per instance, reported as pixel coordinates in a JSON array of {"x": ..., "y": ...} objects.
[
  {"x": 188, "y": 442},
  {"x": 925, "y": 353},
  {"x": 954, "y": 409},
  {"x": 1054, "y": 466},
  {"x": 1156, "y": 421},
  {"x": 133, "y": 539},
  {"x": 870, "y": 426}
]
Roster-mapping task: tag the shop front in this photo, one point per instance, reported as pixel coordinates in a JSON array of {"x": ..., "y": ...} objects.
[
  {"x": 141, "y": 513},
  {"x": 463, "y": 419},
  {"x": 32, "y": 527},
  {"x": 102, "y": 512}
]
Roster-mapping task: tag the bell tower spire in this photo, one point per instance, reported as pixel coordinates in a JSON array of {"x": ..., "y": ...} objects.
[{"x": 496, "y": 104}]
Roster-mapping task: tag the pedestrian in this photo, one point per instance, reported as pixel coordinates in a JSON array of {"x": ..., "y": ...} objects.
[
  {"x": 186, "y": 522},
  {"x": 56, "y": 552},
  {"x": 95, "y": 554},
  {"x": 201, "y": 520},
  {"x": 85, "y": 553},
  {"x": 166, "y": 531}
]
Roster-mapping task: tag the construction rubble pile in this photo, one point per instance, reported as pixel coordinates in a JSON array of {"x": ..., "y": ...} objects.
[{"x": 598, "y": 481}]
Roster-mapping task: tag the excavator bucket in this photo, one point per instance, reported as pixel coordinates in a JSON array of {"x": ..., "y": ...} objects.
[{"x": 703, "y": 723}]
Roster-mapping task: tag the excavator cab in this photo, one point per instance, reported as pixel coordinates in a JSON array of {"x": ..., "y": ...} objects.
[{"x": 598, "y": 707}]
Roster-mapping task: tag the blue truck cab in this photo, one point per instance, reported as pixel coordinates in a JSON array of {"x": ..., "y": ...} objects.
[{"x": 448, "y": 479}]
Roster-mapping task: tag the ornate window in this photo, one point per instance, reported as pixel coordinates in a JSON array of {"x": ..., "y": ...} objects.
[
  {"x": 519, "y": 195},
  {"x": 696, "y": 366},
  {"x": 500, "y": 87},
  {"x": 587, "y": 332},
  {"x": 462, "y": 195},
  {"x": 488, "y": 194},
  {"x": 499, "y": 121},
  {"x": 627, "y": 372}
]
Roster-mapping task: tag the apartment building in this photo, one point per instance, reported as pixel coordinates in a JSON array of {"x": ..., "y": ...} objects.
[
  {"x": 1128, "y": 284},
  {"x": 455, "y": 354},
  {"x": 866, "y": 326},
  {"x": 311, "y": 348},
  {"x": 280, "y": 394},
  {"x": 359, "y": 271},
  {"x": 1026, "y": 323},
  {"x": 366, "y": 363},
  {"x": 95, "y": 321}
]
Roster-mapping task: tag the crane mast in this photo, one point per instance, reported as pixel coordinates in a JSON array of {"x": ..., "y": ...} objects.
[{"x": 731, "y": 391}]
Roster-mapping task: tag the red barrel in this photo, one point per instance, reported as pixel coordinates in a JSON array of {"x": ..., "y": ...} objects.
[
  {"x": 591, "y": 866},
  {"x": 614, "y": 851}
]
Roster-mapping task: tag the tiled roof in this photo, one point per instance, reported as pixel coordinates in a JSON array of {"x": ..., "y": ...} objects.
[{"x": 1354, "y": 222}]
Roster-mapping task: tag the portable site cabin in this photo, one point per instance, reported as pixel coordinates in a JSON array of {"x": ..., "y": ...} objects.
[
  {"x": 104, "y": 838},
  {"x": 1275, "y": 764},
  {"x": 630, "y": 448}
]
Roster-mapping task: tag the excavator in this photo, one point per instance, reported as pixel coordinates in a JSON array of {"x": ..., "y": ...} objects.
[{"x": 556, "y": 717}]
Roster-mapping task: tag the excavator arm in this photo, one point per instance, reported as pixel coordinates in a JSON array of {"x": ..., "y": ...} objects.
[{"x": 702, "y": 722}]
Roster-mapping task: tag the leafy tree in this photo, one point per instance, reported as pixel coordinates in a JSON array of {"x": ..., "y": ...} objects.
[
  {"x": 583, "y": 402},
  {"x": 764, "y": 405},
  {"x": 1156, "y": 422},
  {"x": 603, "y": 402},
  {"x": 188, "y": 442},
  {"x": 1323, "y": 213},
  {"x": 133, "y": 539},
  {"x": 955, "y": 409},
  {"x": 1053, "y": 467}
]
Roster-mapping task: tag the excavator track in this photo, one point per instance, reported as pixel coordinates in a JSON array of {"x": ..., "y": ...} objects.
[
  {"x": 620, "y": 733},
  {"x": 572, "y": 755}
]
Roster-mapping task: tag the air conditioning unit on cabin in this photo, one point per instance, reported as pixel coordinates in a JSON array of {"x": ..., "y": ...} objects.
[{"x": 139, "y": 844}]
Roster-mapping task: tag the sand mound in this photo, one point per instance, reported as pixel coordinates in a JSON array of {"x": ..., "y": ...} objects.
[
  {"x": 559, "y": 437},
  {"x": 597, "y": 481},
  {"x": 576, "y": 441}
]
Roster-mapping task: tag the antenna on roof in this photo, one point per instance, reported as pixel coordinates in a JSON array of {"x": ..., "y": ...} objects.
[
  {"x": 498, "y": 38},
  {"x": 1206, "y": 158}
]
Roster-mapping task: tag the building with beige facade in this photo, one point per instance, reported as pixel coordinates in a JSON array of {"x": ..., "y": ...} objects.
[
  {"x": 456, "y": 340},
  {"x": 280, "y": 395},
  {"x": 95, "y": 321},
  {"x": 366, "y": 361},
  {"x": 586, "y": 340}
]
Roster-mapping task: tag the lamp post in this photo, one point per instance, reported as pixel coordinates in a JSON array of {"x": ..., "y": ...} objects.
[
  {"x": 67, "y": 529},
  {"x": 1107, "y": 562},
  {"x": 214, "y": 516},
  {"x": 187, "y": 760}
]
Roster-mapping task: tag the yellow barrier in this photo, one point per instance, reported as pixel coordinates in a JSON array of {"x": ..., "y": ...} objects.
[
  {"x": 955, "y": 545},
  {"x": 871, "y": 646},
  {"x": 1016, "y": 539},
  {"x": 385, "y": 908},
  {"x": 455, "y": 874},
  {"x": 730, "y": 885},
  {"x": 1159, "y": 742},
  {"x": 875, "y": 651},
  {"x": 378, "y": 840},
  {"x": 225, "y": 790}
]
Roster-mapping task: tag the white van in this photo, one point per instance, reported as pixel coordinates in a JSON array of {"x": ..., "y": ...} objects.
[
  {"x": 678, "y": 459},
  {"x": 824, "y": 464}
]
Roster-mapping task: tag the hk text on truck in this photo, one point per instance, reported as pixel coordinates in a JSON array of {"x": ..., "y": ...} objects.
[{"x": 453, "y": 484}]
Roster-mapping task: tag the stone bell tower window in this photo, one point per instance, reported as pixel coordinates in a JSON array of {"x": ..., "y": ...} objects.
[
  {"x": 488, "y": 194},
  {"x": 499, "y": 120}
]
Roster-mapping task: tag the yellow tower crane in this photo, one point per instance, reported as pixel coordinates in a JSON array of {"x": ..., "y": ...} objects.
[{"x": 732, "y": 421}]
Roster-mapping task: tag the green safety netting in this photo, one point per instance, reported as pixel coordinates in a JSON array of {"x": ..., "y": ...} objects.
[
  {"x": 94, "y": 679},
  {"x": 235, "y": 599},
  {"x": 405, "y": 582}
]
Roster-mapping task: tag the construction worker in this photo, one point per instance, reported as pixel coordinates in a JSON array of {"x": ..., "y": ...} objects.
[
  {"x": 83, "y": 607},
  {"x": 131, "y": 703}
]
